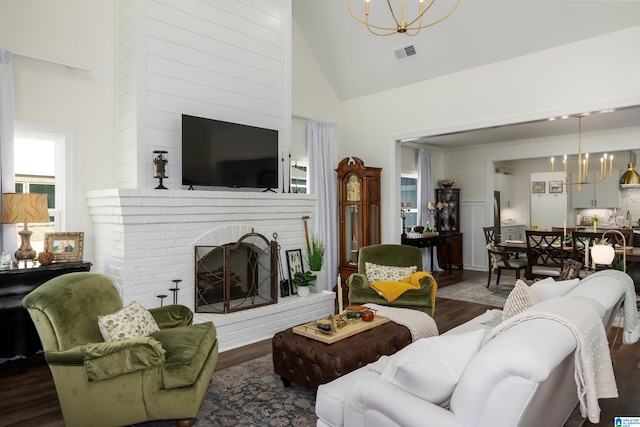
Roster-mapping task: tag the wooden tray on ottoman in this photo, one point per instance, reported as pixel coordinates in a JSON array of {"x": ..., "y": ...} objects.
[{"x": 310, "y": 330}]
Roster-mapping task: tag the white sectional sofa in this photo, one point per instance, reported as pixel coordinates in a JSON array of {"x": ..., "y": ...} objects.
[{"x": 522, "y": 377}]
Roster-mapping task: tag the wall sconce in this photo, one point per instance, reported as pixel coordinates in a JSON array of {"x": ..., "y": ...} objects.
[
  {"x": 604, "y": 254},
  {"x": 160, "y": 160},
  {"x": 18, "y": 208}
]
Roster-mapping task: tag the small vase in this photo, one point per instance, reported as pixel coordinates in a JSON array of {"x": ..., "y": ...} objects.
[
  {"x": 304, "y": 291},
  {"x": 320, "y": 282}
]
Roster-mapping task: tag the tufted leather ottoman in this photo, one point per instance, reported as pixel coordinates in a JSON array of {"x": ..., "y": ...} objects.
[{"x": 309, "y": 363}]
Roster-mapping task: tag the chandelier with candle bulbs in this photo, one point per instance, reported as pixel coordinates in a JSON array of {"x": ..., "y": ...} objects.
[
  {"x": 401, "y": 24},
  {"x": 583, "y": 166}
]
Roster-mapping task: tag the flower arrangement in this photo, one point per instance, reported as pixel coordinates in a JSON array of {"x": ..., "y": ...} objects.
[{"x": 447, "y": 182}]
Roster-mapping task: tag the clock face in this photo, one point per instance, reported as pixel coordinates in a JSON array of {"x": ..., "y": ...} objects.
[{"x": 353, "y": 189}]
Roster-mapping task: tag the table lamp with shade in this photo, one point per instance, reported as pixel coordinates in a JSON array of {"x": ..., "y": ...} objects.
[
  {"x": 604, "y": 254},
  {"x": 20, "y": 208}
]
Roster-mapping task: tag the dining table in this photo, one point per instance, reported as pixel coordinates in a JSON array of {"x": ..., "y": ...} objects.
[{"x": 518, "y": 246}]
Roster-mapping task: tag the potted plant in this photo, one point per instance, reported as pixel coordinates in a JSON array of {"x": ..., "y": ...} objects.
[
  {"x": 303, "y": 281},
  {"x": 315, "y": 258}
]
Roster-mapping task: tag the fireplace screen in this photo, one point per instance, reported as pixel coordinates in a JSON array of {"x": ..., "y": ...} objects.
[{"x": 236, "y": 276}]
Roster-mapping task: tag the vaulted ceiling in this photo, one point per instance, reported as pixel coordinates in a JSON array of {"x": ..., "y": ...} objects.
[{"x": 358, "y": 63}]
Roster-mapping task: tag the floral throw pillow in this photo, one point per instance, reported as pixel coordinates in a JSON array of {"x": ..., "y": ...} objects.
[
  {"x": 132, "y": 321},
  {"x": 386, "y": 273}
]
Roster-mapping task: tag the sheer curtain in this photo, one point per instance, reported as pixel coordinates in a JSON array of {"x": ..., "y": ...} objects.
[
  {"x": 322, "y": 146},
  {"x": 426, "y": 195},
  {"x": 8, "y": 232}
]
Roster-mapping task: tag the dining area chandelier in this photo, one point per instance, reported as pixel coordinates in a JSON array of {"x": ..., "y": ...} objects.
[
  {"x": 583, "y": 176},
  {"x": 396, "y": 20}
]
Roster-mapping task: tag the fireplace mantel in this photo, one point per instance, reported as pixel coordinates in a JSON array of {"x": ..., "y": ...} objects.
[{"x": 145, "y": 238}]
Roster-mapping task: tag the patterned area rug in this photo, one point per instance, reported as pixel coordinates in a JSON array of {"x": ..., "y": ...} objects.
[
  {"x": 475, "y": 290},
  {"x": 251, "y": 394}
]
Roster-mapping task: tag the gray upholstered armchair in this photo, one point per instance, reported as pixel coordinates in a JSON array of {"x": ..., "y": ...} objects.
[
  {"x": 161, "y": 376},
  {"x": 360, "y": 291}
]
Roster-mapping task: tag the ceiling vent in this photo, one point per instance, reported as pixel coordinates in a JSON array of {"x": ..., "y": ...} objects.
[{"x": 405, "y": 52}]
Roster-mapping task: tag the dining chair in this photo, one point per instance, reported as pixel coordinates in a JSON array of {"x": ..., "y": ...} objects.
[
  {"x": 581, "y": 239},
  {"x": 616, "y": 239},
  {"x": 545, "y": 254},
  {"x": 499, "y": 259}
]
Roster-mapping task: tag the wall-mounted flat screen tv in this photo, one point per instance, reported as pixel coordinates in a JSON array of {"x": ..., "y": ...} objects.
[{"x": 223, "y": 154}]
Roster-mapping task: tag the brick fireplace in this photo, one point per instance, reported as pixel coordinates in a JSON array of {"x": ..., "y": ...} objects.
[{"x": 144, "y": 239}]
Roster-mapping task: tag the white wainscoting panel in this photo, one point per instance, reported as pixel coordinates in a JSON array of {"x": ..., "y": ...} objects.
[{"x": 473, "y": 217}]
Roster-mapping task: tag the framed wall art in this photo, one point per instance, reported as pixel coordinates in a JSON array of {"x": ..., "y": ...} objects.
[
  {"x": 555, "y": 186},
  {"x": 64, "y": 246},
  {"x": 538, "y": 186},
  {"x": 294, "y": 263}
]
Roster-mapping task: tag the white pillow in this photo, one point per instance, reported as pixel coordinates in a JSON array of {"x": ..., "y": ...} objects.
[
  {"x": 132, "y": 321},
  {"x": 382, "y": 273},
  {"x": 520, "y": 298},
  {"x": 549, "y": 288},
  {"x": 431, "y": 367}
]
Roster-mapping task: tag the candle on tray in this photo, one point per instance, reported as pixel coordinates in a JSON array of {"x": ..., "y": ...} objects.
[
  {"x": 339, "y": 295},
  {"x": 586, "y": 254}
]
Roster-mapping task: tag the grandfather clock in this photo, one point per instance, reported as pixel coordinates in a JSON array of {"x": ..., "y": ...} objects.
[{"x": 359, "y": 207}]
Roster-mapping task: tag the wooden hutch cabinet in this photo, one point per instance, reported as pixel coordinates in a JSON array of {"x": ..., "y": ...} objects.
[
  {"x": 359, "y": 211},
  {"x": 449, "y": 224}
]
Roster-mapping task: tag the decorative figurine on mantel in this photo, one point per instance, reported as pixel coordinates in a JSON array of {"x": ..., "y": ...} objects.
[{"x": 160, "y": 160}]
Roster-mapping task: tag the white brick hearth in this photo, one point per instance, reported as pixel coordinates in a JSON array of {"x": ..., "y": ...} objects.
[{"x": 146, "y": 238}]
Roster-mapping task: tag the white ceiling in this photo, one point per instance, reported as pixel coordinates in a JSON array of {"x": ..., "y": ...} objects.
[
  {"x": 358, "y": 63},
  {"x": 621, "y": 118}
]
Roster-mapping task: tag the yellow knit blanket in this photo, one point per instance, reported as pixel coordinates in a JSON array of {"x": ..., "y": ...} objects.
[{"x": 391, "y": 290}]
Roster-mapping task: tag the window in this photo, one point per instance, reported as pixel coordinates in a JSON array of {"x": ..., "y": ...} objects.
[
  {"x": 39, "y": 168},
  {"x": 298, "y": 178},
  {"x": 409, "y": 194}
]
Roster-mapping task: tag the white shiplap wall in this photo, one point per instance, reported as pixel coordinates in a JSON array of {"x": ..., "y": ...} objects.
[{"x": 220, "y": 59}]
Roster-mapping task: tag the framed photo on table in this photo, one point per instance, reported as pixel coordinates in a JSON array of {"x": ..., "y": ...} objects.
[
  {"x": 294, "y": 263},
  {"x": 555, "y": 186},
  {"x": 538, "y": 186},
  {"x": 64, "y": 246}
]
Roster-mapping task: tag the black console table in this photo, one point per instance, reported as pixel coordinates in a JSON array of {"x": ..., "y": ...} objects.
[
  {"x": 429, "y": 242},
  {"x": 18, "y": 336}
]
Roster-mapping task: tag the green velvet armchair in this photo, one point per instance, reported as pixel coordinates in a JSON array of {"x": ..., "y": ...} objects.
[
  {"x": 161, "y": 376},
  {"x": 360, "y": 292}
]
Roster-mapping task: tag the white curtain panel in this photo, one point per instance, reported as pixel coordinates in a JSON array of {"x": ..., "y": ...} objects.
[
  {"x": 426, "y": 194},
  {"x": 322, "y": 146},
  {"x": 9, "y": 232}
]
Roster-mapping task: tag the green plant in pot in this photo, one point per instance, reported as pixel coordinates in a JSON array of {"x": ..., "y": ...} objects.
[
  {"x": 303, "y": 281},
  {"x": 316, "y": 253},
  {"x": 618, "y": 264},
  {"x": 315, "y": 258}
]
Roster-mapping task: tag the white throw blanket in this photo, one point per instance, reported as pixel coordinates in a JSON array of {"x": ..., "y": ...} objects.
[
  {"x": 593, "y": 369},
  {"x": 631, "y": 332},
  {"x": 420, "y": 324}
]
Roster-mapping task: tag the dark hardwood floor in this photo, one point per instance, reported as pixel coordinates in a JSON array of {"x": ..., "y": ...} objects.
[{"x": 28, "y": 397}]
